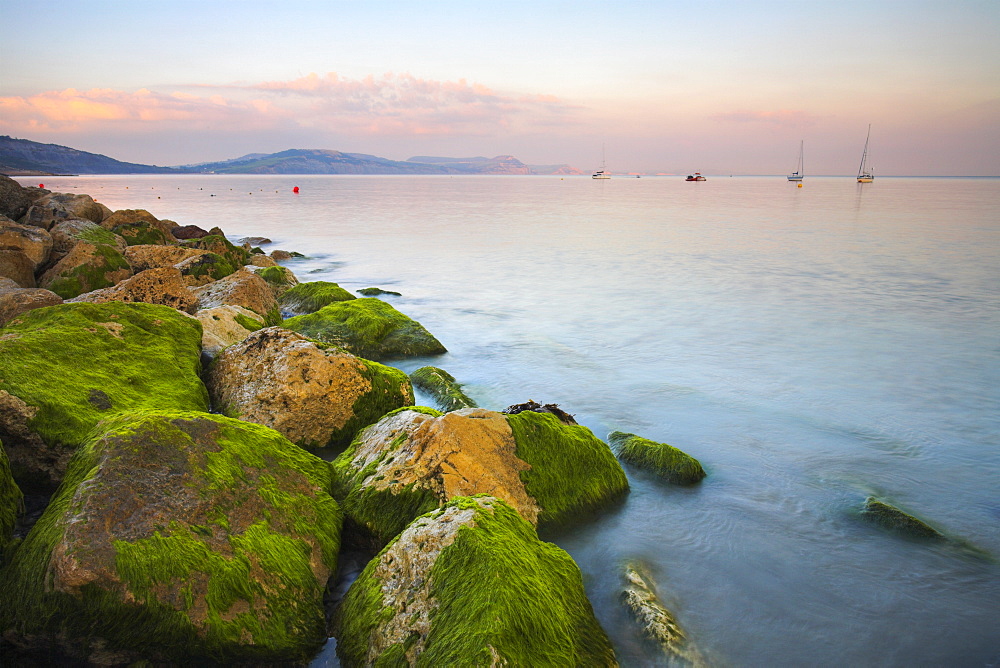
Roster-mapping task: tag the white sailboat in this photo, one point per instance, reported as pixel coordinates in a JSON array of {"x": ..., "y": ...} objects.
[
  {"x": 603, "y": 172},
  {"x": 800, "y": 170},
  {"x": 865, "y": 172}
]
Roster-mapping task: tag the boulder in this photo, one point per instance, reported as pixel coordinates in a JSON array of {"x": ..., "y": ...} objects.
[
  {"x": 217, "y": 243},
  {"x": 312, "y": 296},
  {"x": 223, "y": 326},
  {"x": 375, "y": 292},
  {"x": 188, "y": 232},
  {"x": 241, "y": 288},
  {"x": 163, "y": 285},
  {"x": 416, "y": 459},
  {"x": 890, "y": 517},
  {"x": 442, "y": 386},
  {"x": 95, "y": 261},
  {"x": 11, "y": 504},
  {"x": 369, "y": 328},
  {"x": 69, "y": 233},
  {"x": 149, "y": 256},
  {"x": 204, "y": 268},
  {"x": 132, "y": 217},
  {"x": 34, "y": 242},
  {"x": 142, "y": 233},
  {"x": 16, "y": 300},
  {"x": 64, "y": 368},
  {"x": 14, "y": 202},
  {"x": 54, "y": 208},
  {"x": 280, "y": 255},
  {"x": 656, "y": 622},
  {"x": 313, "y": 394},
  {"x": 179, "y": 536},
  {"x": 258, "y": 260},
  {"x": 280, "y": 279},
  {"x": 17, "y": 266},
  {"x": 255, "y": 241},
  {"x": 663, "y": 460},
  {"x": 470, "y": 584}
]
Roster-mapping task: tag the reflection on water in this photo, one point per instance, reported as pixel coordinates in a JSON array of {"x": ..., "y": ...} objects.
[{"x": 811, "y": 346}]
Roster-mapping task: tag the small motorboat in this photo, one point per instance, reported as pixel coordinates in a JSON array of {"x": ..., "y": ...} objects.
[{"x": 695, "y": 177}]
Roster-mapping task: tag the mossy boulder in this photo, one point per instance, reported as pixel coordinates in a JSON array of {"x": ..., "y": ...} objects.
[
  {"x": 218, "y": 244},
  {"x": 179, "y": 537},
  {"x": 163, "y": 285},
  {"x": 312, "y": 296},
  {"x": 141, "y": 233},
  {"x": 369, "y": 328},
  {"x": 64, "y": 368},
  {"x": 315, "y": 394},
  {"x": 663, "y": 460},
  {"x": 280, "y": 279},
  {"x": 205, "y": 268},
  {"x": 375, "y": 292},
  {"x": 416, "y": 459},
  {"x": 95, "y": 261},
  {"x": 11, "y": 502},
  {"x": 442, "y": 386},
  {"x": 139, "y": 219},
  {"x": 890, "y": 517},
  {"x": 470, "y": 584}
]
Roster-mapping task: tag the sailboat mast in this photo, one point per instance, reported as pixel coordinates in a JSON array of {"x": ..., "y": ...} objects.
[{"x": 864, "y": 154}]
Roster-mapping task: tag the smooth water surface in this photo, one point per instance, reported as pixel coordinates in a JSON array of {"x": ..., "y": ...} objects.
[{"x": 811, "y": 346}]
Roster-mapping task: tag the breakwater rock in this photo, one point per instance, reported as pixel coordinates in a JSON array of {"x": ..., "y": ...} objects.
[
  {"x": 443, "y": 387},
  {"x": 664, "y": 460}
]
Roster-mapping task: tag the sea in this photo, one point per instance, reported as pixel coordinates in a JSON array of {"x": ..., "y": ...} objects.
[{"x": 811, "y": 346}]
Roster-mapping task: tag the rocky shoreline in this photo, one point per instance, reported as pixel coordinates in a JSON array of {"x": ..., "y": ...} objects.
[{"x": 190, "y": 437}]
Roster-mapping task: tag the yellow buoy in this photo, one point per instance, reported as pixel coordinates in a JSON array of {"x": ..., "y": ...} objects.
[{"x": 800, "y": 185}]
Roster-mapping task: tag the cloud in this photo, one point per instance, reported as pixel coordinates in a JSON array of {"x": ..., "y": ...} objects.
[{"x": 784, "y": 117}]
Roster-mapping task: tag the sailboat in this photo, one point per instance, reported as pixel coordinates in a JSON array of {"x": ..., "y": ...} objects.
[
  {"x": 865, "y": 172},
  {"x": 603, "y": 172},
  {"x": 800, "y": 168}
]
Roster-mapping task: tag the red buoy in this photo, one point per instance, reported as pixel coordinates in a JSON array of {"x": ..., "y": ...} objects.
[
  {"x": 295, "y": 189},
  {"x": 41, "y": 185}
]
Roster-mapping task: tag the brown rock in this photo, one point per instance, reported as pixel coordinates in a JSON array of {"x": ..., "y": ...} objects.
[
  {"x": 189, "y": 232},
  {"x": 17, "y": 266},
  {"x": 57, "y": 207},
  {"x": 258, "y": 260},
  {"x": 162, "y": 285},
  {"x": 17, "y": 300},
  {"x": 87, "y": 266},
  {"x": 33, "y": 241},
  {"x": 14, "y": 202},
  {"x": 281, "y": 255},
  {"x": 241, "y": 288},
  {"x": 149, "y": 256},
  {"x": 220, "y": 327},
  {"x": 129, "y": 216}
]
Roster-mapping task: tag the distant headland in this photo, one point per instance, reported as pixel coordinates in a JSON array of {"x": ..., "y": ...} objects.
[{"x": 22, "y": 157}]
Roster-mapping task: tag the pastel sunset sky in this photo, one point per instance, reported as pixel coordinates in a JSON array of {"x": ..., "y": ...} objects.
[{"x": 717, "y": 87}]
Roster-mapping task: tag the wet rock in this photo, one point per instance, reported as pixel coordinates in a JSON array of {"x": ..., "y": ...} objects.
[
  {"x": 241, "y": 288},
  {"x": 179, "y": 535},
  {"x": 534, "y": 406},
  {"x": 664, "y": 460},
  {"x": 188, "y": 232},
  {"x": 14, "y": 202},
  {"x": 315, "y": 395},
  {"x": 223, "y": 326},
  {"x": 255, "y": 241},
  {"x": 890, "y": 517},
  {"x": 369, "y": 328},
  {"x": 374, "y": 292},
  {"x": 163, "y": 285},
  {"x": 280, "y": 255},
  {"x": 34, "y": 242},
  {"x": 217, "y": 243},
  {"x": 656, "y": 622},
  {"x": 15, "y": 300},
  {"x": 470, "y": 584},
  {"x": 141, "y": 356},
  {"x": 312, "y": 296},
  {"x": 443, "y": 387},
  {"x": 280, "y": 279}
]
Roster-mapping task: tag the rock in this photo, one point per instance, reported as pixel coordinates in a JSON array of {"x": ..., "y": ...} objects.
[
  {"x": 368, "y": 328},
  {"x": 223, "y": 326},
  {"x": 374, "y": 292},
  {"x": 657, "y": 623},
  {"x": 133, "y": 217},
  {"x": 442, "y": 386},
  {"x": 534, "y": 406},
  {"x": 188, "y": 232},
  {"x": 280, "y": 279},
  {"x": 55, "y": 208},
  {"x": 149, "y": 256},
  {"x": 69, "y": 233},
  {"x": 95, "y": 261},
  {"x": 62, "y": 368},
  {"x": 17, "y": 266},
  {"x": 34, "y": 242},
  {"x": 470, "y": 584},
  {"x": 217, "y": 243},
  {"x": 280, "y": 255},
  {"x": 315, "y": 395},
  {"x": 241, "y": 288},
  {"x": 312, "y": 296},
  {"x": 664, "y": 460},
  {"x": 205, "y": 268},
  {"x": 163, "y": 285},
  {"x": 141, "y": 233},
  {"x": 14, "y": 202},
  {"x": 890, "y": 517},
  {"x": 415, "y": 459},
  {"x": 255, "y": 241},
  {"x": 259, "y": 260},
  {"x": 11, "y": 504},
  {"x": 17, "y": 300},
  {"x": 179, "y": 535}
]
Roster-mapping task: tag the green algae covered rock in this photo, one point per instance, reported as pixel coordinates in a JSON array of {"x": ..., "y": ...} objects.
[
  {"x": 312, "y": 296},
  {"x": 415, "y": 459},
  {"x": 142, "y": 233},
  {"x": 11, "y": 501},
  {"x": 369, "y": 328},
  {"x": 177, "y": 537},
  {"x": 470, "y": 584},
  {"x": 890, "y": 517},
  {"x": 64, "y": 368},
  {"x": 94, "y": 261},
  {"x": 442, "y": 386},
  {"x": 664, "y": 460},
  {"x": 279, "y": 279},
  {"x": 218, "y": 244}
]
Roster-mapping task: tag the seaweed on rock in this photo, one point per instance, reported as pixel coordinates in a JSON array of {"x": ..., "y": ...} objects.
[
  {"x": 312, "y": 296},
  {"x": 11, "y": 503},
  {"x": 666, "y": 461},
  {"x": 442, "y": 386},
  {"x": 890, "y": 517}
]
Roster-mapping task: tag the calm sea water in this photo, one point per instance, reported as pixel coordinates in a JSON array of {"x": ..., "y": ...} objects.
[{"x": 811, "y": 346}]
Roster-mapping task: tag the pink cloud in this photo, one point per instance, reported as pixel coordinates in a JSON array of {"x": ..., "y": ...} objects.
[{"x": 786, "y": 117}]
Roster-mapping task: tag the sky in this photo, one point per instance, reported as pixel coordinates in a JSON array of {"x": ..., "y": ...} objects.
[{"x": 654, "y": 86}]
